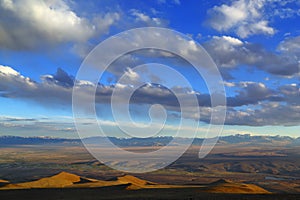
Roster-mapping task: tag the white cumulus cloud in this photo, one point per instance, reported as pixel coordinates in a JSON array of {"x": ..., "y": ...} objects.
[
  {"x": 30, "y": 23},
  {"x": 244, "y": 17}
]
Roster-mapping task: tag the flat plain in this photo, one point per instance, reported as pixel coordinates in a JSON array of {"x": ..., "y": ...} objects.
[{"x": 236, "y": 170}]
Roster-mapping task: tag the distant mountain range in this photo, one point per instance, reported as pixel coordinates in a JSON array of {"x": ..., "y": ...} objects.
[{"x": 154, "y": 141}]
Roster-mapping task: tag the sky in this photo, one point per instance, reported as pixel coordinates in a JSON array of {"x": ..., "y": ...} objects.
[{"x": 255, "y": 45}]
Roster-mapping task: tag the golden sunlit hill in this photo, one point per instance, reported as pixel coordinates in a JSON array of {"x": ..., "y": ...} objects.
[
  {"x": 3, "y": 182},
  {"x": 135, "y": 183},
  {"x": 60, "y": 180},
  {"x": 129, "y": 182},
  {"x": 225, "y": 186},
  {"x": 69, "y": 180}
]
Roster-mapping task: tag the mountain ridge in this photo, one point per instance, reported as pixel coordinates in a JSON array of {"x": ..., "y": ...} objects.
[{"x": 153, "y": 141}]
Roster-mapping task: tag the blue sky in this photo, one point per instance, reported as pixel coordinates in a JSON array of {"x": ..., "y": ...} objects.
[{"x": 255, "y": 45}]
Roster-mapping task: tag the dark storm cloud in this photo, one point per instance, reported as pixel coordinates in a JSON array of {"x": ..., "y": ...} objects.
[
  {"x": 252, "y": 93},
  {"x": 229, "y": 52},
  {"x": 264, "y": 106},
  {"x": 291, "y": 93},
  {"x": 269, "y": 114},
  {"x": 61, "y": 78}
]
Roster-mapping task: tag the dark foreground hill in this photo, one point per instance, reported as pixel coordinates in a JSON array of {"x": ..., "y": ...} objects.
[
  {"x": 66, "y": 186},
  {"x": 117, "y": 192}
]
